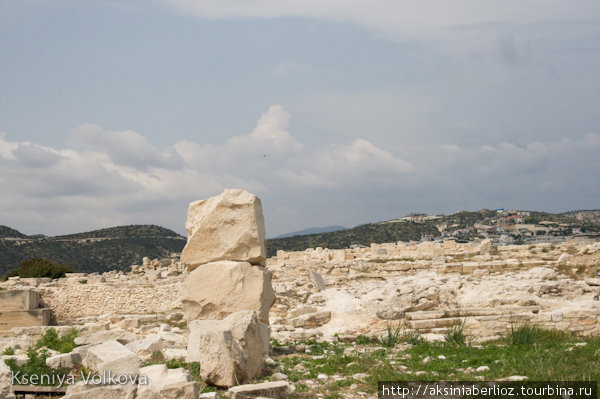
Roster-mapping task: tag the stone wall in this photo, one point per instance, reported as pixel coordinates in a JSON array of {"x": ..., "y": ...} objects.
[{"x": 82, "y": 296}]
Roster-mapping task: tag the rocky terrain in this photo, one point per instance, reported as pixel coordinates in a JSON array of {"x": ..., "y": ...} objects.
[{"x": 205, "y": 321}]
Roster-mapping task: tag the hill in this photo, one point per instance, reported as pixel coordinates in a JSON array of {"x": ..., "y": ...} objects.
[
  {"x": 313, "y": 230},
  {"x": 7, "y": 232},
  {"x": 360, "y": 235},
  {"x": 114, "y": 248},
  {"x": 459, "y": 225}
]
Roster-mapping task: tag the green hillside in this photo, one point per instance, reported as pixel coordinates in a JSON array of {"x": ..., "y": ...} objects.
[
  {"x": 96, "y": 251},
  {"x": 8, "y": 232}
]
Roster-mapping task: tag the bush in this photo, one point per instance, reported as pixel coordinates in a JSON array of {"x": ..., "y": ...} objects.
[
  {"x": 35, "y": 365},
  {"x": 64, "y": 344},
  {"x": 8, "y": 351},
  {"x": 39, "y": 267}
]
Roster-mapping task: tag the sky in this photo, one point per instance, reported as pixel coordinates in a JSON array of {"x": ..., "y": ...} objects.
[{"x": 332, "y": 112}]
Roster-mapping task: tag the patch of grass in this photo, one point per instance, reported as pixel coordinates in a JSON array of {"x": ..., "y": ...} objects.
[
  {"x": 363, "y": 340},
  {"x": 571, "y": 250},
  {"x": 553, "y": 357},
  {"x": 530, "y": 334},
  {"x": 413, "y": 338},
  {"x": 391, "y": 338},
  {"x": 64, "y": 344},
  {"x": 8, "y": 351},
  {"x": 586, "y": 251},
  {"x": 545, "y": 250},
  {"x": 84, "y": 281},
  {"x": 455, "y": 335}
]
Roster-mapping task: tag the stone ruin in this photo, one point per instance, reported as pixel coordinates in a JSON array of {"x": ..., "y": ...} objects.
[
  {"x": 210, "y": 307},
  {"x": 218, "y": 304},
  {"x": 228, "y": 294}
]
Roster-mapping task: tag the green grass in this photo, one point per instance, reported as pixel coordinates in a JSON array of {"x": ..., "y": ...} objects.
[
  {"x": 35, "y": 365},
  {"x": 455, "y": 335},
  {"x": 539, "y": 354},
  {"x": 391, "y": 337},
  {"x": 8, "y": 351},
  {"x": 64, "y": 344}
]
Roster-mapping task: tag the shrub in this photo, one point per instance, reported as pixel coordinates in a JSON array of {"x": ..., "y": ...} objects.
[
  {"x": 8, "y": 351},
  {"x": 39, "y": 267},
  {"x": 64, "y": 344},
  {"x": 35, "y": 365}
]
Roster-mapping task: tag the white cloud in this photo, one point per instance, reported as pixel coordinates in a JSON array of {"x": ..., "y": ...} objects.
[
  {"x": 97, "y": 183},
  {"x": 111, "y": 177}
]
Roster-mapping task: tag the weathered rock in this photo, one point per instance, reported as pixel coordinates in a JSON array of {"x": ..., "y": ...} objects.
[
  {"x": 311, "y": 319},
  {"x": 82, "y": 391},
  {"x": 229, "y": 226},
  {"x": 318, "y": 279},
  {"x": 217, "y": 289},
  {"x": 167, "y": 384},
  {"x": 487, "y": 247},
  {"x": 98, "y": 337},
  {"x": 5, "y": 382},
  {"x": 277, "y": 389},
  {"x": 563, "y": 258},
  {"x": 229, "y": 351},
  {"x": 144, "y": 347},
  {"x": 112, "y": 356},
  {"x": 63, "y": 361},
  {"x": 594, "y": 282}
]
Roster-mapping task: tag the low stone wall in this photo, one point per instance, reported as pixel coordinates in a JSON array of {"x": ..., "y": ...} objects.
[{"x": 70, "y": 300}]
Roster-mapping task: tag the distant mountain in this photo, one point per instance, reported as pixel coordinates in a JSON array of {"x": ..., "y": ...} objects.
[
  {"x": 114, "y": 248},
  {"x": 313, "y": 230}
]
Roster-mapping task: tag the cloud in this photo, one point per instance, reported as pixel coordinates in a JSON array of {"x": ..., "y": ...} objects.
[
  {"x": 122, "y": 174},
  {"x": 123, "y": 147},
  {"x": 395, "y": 17},
  {"x": 97, "y": 183}
]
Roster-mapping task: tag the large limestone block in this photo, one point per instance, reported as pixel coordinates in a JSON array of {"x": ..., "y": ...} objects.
[
  {"x": 230, "y": 351},
  {"x": 24, "y": 318},
  {"x": 276, "y": 389},
  {"x": 217, "y": 289},
  {"x": 145, "y": 347},
  {"x": 112, "y": 356},
  {"x": 19, "y": 300},
  {"x": 230, "y": 226},
  {"x": 5, "y": 382},
  {"x": 98, "y": 337}
]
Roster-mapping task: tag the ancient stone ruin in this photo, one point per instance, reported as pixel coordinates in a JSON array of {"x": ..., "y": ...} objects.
[
  {"x": 228, "y": 294},
  {"x": 221, "y": 302}
]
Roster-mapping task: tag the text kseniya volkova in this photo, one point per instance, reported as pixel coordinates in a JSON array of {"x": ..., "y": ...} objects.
[{"x": 107, "y": 377}]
